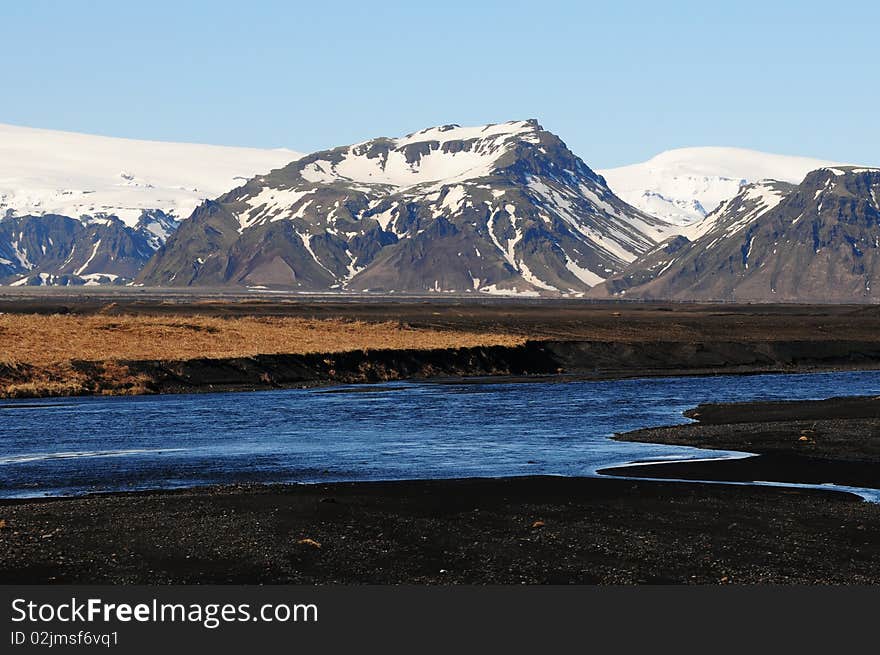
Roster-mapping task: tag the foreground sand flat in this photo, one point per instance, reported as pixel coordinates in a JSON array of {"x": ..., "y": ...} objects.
[
  {"x": 834, "y": 441},
  {"x": 508, "y": 531}
]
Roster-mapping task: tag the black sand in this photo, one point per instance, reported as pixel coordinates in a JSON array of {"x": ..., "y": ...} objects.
[
  {"x": 817, "y": 442},
  {"x": 509, "y": 531}
]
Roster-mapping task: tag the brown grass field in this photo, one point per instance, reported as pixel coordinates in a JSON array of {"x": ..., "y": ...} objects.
[
  {"x": 36, "y": 339},
  {"x": 46, "y": 345}
]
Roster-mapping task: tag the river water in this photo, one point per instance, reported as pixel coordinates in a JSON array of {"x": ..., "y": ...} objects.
[{"x": 365, "y": 432}]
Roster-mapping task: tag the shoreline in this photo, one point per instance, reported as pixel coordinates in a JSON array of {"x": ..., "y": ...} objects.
[
  {"x": 830, "y": 441},
  {"x": 514, "y": 530},
  {"x": 443, "y": 338},
  {"x": 533, "y": 361}
]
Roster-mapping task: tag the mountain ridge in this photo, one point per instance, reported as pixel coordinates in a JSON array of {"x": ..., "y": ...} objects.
[
  {"x": 818, "y": 241},
  {"x": 684, "y": 185},
  {"x": 500, "y": 208},
  {"x": 75, "y": 174},
  {"x": 504, "y": 209}
]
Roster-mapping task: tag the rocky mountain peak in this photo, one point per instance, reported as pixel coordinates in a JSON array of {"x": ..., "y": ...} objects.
[
  {"x": 434, "y": 155},
  {"x": 817, "y": 241},
  {"x": 501, "y": 208}
]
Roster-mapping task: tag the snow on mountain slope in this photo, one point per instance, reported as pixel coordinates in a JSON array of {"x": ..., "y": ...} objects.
[
  {"x": 70, "y": 174},
  {"x": 503, "y": 208},
  {"x": 430, "y": 155},
  {"x": 818, "y": 241},
  {"x": 683, "y": 186},
  {"x": 735, "y": 213}
]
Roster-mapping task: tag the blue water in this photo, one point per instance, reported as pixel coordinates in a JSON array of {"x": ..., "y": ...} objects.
[{"x": 399, "y": 431}]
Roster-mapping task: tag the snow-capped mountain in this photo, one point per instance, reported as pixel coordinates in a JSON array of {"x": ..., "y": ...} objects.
[
  {"x": 77, "y": 208},
  {"x": 54, "y": 250},
  {"x": 71, "y": 174},
  {"x": 817, "y": 241},
  {"x": 503, "y": 208},
  {"x": 683, "y": 186},
  {"x": 752, "y": 200}
]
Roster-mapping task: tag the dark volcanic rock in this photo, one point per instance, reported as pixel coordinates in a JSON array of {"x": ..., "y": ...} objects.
[
  {"x": 559, "y": 359},
  {"x": 817, "y": 242},
  {"x": 500, "y": 209},
  {"x": 51, "y": 250}
]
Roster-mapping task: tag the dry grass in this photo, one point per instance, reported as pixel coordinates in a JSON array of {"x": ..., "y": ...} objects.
[
  {"x": 38, "y": 352},
  {"x": 41, "y": 340}
]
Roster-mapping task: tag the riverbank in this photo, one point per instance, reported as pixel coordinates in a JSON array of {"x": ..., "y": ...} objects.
[
  {"x": 132, "y": 343},
  {"x": 508, "y": 531},
  {"x": 532, "y": 530},
  {"x": 836, "y": 440},
  {"x": 72, "y": 354}
]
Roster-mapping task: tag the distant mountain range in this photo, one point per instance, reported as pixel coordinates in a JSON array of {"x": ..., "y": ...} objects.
[
  {"x": 84, "y": 209},
  {"x": 818, "y": 241},
  {"x": 501, "y": 209},
  {"x": 53, "y": 250},
  {"x": 683, "y": 186}
]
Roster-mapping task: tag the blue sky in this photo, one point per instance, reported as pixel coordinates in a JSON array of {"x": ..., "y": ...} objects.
[{"x": 618, "y": 81}]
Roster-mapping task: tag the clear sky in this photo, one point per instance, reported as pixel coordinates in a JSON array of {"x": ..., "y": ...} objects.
[{"x": 618, "y": 81}]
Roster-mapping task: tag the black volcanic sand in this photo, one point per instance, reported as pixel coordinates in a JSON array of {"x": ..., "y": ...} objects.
[
  {"x": 510, "y": 531},
  {"x": 827, "y": 441}
]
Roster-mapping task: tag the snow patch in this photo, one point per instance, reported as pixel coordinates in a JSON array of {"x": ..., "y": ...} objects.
[
  {"x": 585, "y": 275},
  {"x": 82, "y": 268},
  {"x": 493, "y": 289}
]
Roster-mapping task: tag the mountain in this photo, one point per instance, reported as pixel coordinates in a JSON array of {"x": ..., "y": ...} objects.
[
  {"x": 69, "y": 174},
  {"x": 818, "y": 241},
  {"x": 682, "y": 186},
  {"x": 504, "y": 208},
  {"x": 54, "y": 250},
  {"x": 501, "y": 209},
  {"x": 83, "y": 209}
]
